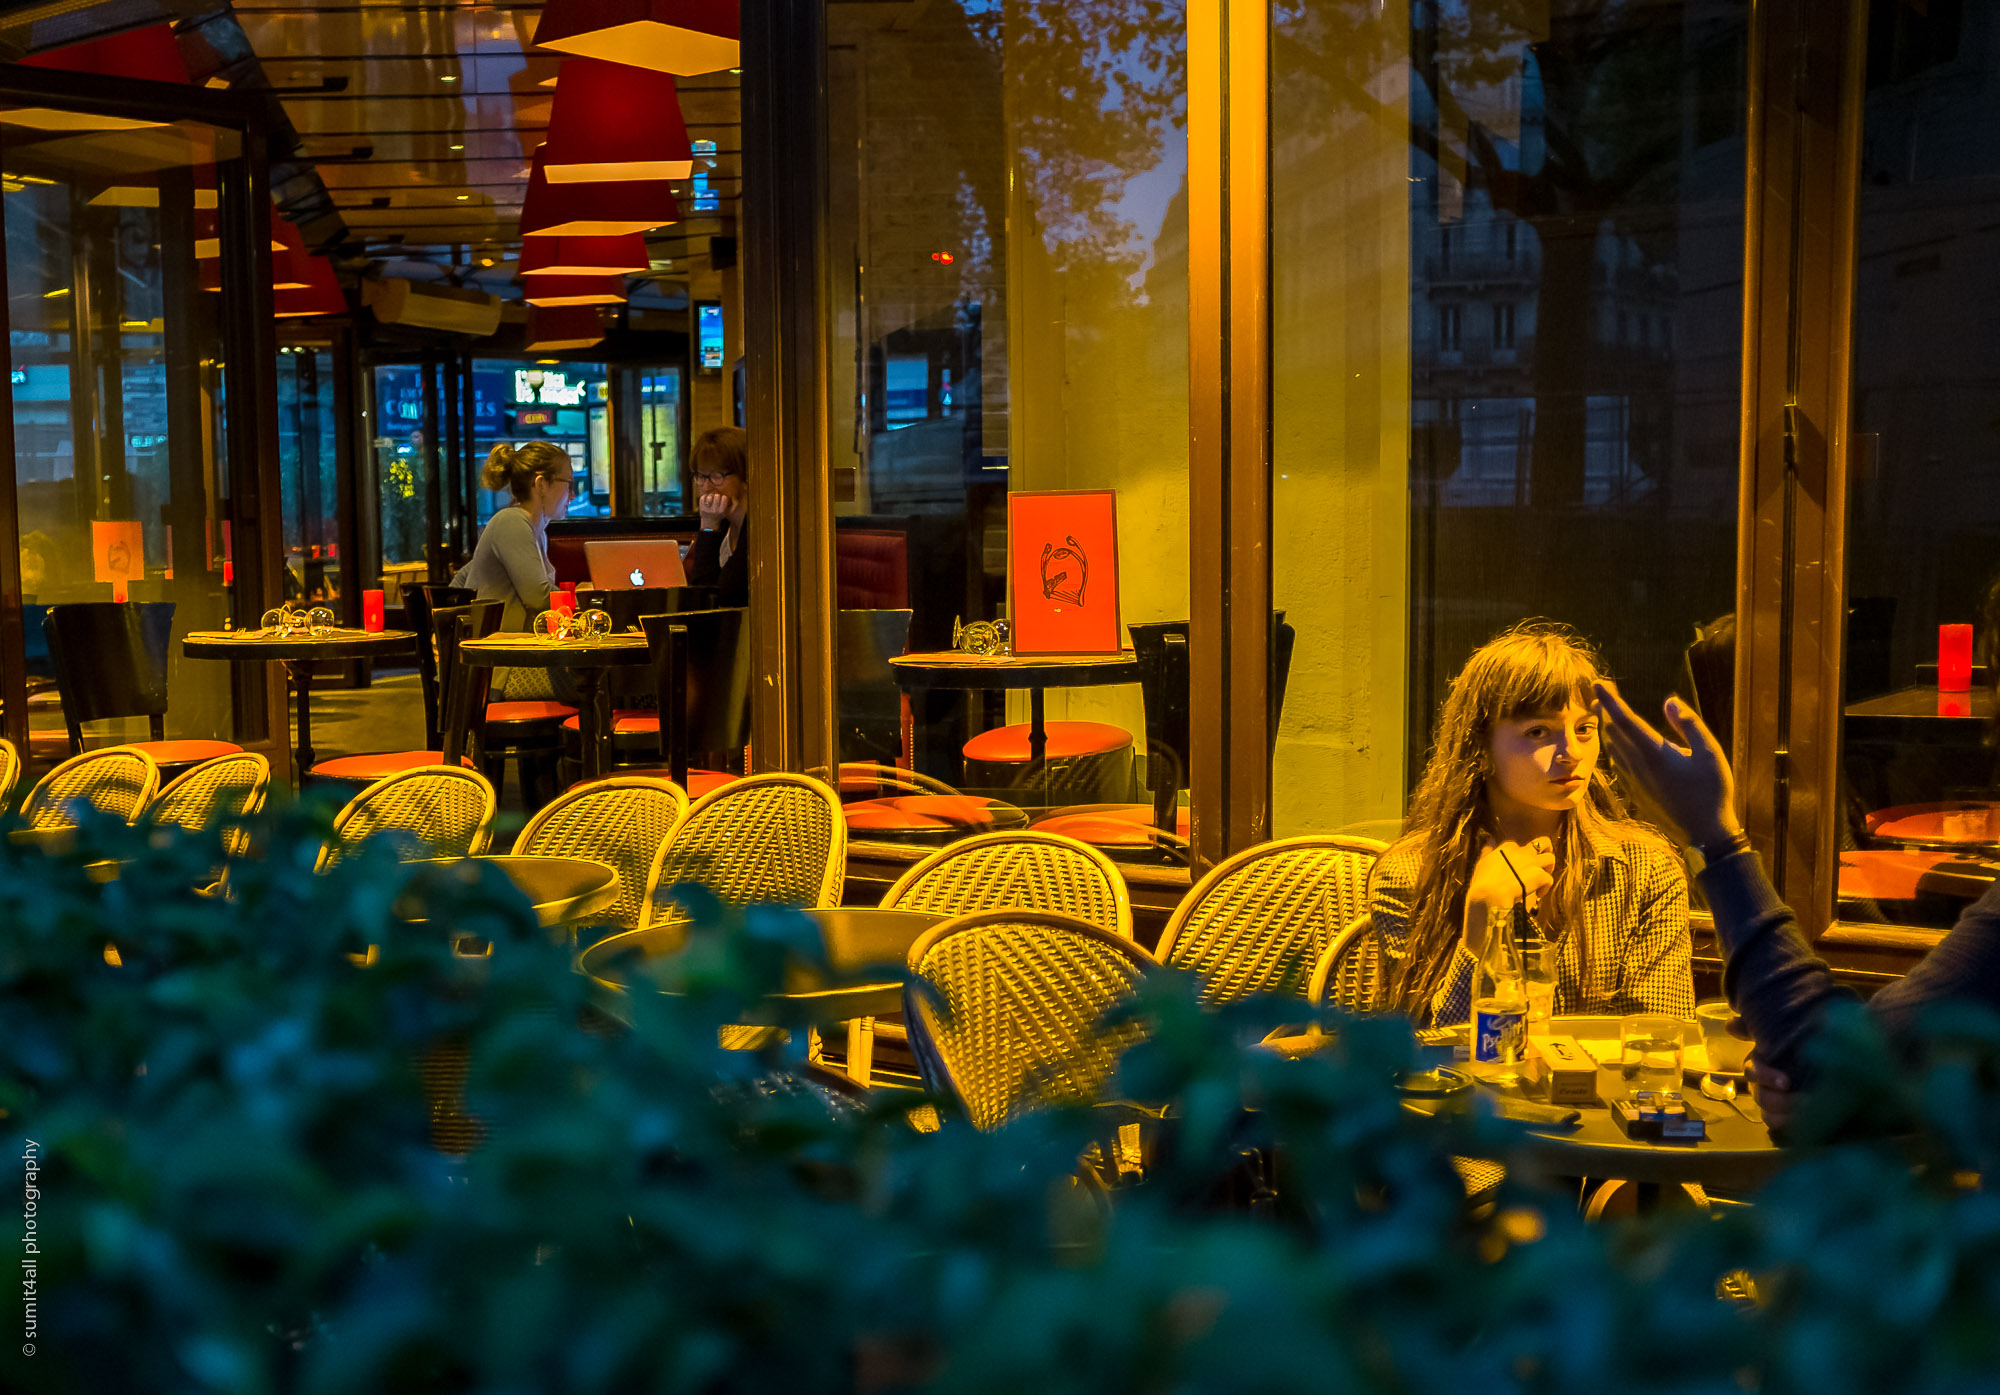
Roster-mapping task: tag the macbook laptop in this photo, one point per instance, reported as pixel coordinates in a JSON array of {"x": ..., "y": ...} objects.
[{"x": 625, "y": 564}]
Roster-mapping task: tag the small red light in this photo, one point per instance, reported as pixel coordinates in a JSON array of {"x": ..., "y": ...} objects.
[{"x": 942, "y": 258}]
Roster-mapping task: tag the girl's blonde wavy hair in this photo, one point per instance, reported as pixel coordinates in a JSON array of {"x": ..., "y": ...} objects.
[{"x": 1534, "y": 669}]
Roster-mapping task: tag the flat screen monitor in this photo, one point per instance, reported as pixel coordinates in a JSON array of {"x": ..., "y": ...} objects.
[{"x": 708, "y": 336}]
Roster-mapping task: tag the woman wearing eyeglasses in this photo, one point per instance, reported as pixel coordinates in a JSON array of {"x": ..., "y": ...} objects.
[
  {"x": 511, "y": 562},
  {"x": 719, "y": 558}
]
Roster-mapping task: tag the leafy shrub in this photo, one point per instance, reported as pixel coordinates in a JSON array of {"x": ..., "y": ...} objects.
[{"x": 239, "y": 1190}]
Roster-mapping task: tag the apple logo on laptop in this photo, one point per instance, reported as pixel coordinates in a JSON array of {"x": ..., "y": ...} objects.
[{"x": 638, "y": 577}]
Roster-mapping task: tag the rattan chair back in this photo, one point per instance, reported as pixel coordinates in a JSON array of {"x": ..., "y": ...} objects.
[
  {"x": 765, "y": 839},
  {"x": 432, "y": 811},
  {"x": 1259, "y": 922},
  {"x": 1351, "y": 971},
  {"x": 1019, "y": 871},
  {"x": 115, "y": 780},
  {"x": 1013, "y": 1017},
  {"x": 10, "y": 773},
  {"x": 624, "y": 821},
  {"x": 218, "y": 793}
]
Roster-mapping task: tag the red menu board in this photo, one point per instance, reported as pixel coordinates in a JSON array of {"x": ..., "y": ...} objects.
[{"x": 1062, "y": 572}]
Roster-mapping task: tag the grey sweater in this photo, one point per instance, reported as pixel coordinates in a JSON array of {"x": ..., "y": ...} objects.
[{"x": 511, "y": 564}]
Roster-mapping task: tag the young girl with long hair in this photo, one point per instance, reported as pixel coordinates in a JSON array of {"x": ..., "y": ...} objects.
[{"x": 1515, "y": 802}]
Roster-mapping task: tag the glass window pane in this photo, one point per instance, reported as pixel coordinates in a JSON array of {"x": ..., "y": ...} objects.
[
  {"x": 1008, "y": 313},
  {"x": 306, "y": 474},
  {"x": 116, "y": 347},
  {"x": 1507, "y": 298},
  {"x": 1918, "y": 806}
]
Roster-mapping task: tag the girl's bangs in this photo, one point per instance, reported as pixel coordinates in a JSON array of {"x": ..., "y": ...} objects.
[{"x": 1544, "y": 675}]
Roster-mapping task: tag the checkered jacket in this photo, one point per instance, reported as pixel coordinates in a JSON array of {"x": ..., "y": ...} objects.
[{"x": 1632, "y": 953}]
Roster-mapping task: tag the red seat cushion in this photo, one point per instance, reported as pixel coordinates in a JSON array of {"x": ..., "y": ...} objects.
[
  {"x": 374, "y": 765},
  {"x": 1885, "y": 874},
  {"x": 528, "y": 711},
  {"x": 1090, "y": 816},
  {"x": 622, "y": 722},
  {"x": 185, "y": 752},
  {"x": 918, "y": 813},
  {"x": 1008, "y": 745}
]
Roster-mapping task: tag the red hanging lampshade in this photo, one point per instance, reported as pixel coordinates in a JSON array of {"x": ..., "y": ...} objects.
[
  {"x": 585, "y": 256},
  {"x": 555, "y": 327},
  {"x": 321, "y": 294},
  {"x": 575, "y": 290},
  {"x": 288, "y": 257},
  {"x": 672, "y": 36},
  {"x": 614, "y": 121},
  {"x": 149, "y": 54},
  {"x": 597, "y": 209}
]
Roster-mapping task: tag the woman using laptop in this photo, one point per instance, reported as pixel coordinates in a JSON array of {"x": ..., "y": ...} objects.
[
  {"x": 511, "y": 563},
  {"x": 718, "y": 557}
]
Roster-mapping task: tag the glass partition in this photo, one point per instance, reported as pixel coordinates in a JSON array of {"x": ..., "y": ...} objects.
[
  {"x": 517, "y": 401},
  {"x": 1508, "y": 317},
  {"x": 1919, "y": 808},
  {"x": 307, "y": 475},
  {"x": 117, "y": 362},
  {"x": 1008, "y": 290}
]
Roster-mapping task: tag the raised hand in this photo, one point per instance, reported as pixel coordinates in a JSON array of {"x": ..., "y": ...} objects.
[{"x": 1691, "y": 782}]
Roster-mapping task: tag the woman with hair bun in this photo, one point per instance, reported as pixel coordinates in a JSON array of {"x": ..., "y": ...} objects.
[{"x": 511, "y": 563}]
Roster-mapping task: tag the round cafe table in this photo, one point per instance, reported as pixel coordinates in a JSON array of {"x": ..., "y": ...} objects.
[
  {"x": 298, "y": 652},
  {"x": 1959, "y": 823},
  {"x": 563, "y": 890},
  {"x": 1737, "y": 1155},
  {"x": 865, "y": 948},
  {"x": 586, "y": 659},
  {"x": 948, "y": 668}
]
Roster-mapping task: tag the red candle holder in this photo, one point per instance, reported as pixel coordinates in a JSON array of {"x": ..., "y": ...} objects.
[
  {"x": 563, "y": 601},
  {"x": 372, "y": 618},
  {"x": 1954, "y": 658}
]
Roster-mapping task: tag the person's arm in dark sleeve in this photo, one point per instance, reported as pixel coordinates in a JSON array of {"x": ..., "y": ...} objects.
[
  {"x": 1965, "y": 966},
  {"x": 1771, "y": 976},
  {"x": 704, "y": 560}
]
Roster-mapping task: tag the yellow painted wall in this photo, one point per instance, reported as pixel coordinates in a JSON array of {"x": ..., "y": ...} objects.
[{"x": 1341, "y": 385}]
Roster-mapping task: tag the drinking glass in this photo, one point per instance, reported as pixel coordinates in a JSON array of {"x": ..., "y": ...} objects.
[
  {"x": 1539, "y": 973},
  {"x": 1649, "y": 1052},
  {"x": 1727, "y": 1053}
]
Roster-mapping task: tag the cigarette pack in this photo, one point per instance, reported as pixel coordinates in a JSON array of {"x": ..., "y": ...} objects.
[
  {"x": 1658, "y": 1118},
  {"x": 1565, "y": 1067}
]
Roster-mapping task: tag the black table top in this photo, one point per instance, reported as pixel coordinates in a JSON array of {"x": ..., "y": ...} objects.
[
  {"x": 562, "y": 889},
  {"x": 948, "y": 668},
  {"x": 1738, "y": 1152},
  {"x": 542, "y": 651},
  {"x": 865, "y": 950},
  {"x": 256, "y": 645}
]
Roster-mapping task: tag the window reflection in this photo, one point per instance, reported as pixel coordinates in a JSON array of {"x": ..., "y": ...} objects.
[
  {"x": 1508, "y": 309},
  {"x": 1918, "y": 831},
  {"x": 1009, "y": 313}
]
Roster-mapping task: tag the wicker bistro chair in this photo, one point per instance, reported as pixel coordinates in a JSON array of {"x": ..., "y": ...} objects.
[
  {"x": 223, "y": 792},
  {"x": 1352, "y": 972},
  {"x": 1023, "y": 871},
  {"x": 435, "y": 811},
  {"x": 625, "y": 821},
  {"x": 768, "y": 838},
  {"x": 1260, "y": 920},
  {"x": 10, "y": 772},
  {"x": 115, "y": 780},
  {"x": 1013, "y": 1019}
]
